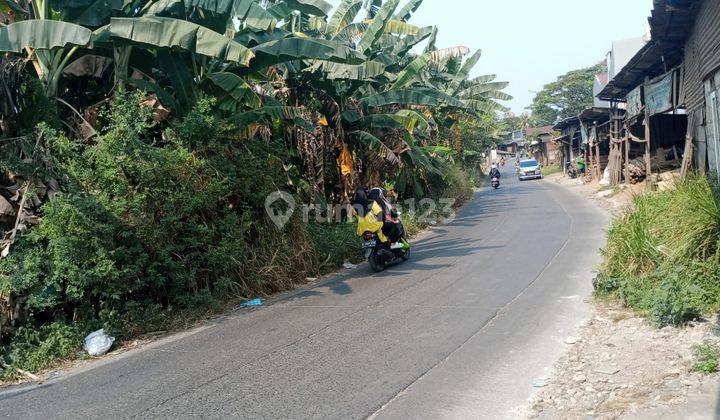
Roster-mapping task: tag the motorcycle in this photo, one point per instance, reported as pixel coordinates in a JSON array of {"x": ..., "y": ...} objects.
[
  {"x": 495, "y": 183},
  {"x": 373, "y": 210},
  {"x": 571, "y": 171},
  {"x": 381, "y": 254}
]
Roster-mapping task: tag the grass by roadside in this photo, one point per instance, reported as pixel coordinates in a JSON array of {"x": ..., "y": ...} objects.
[
  {"x": 551, "y": 169},
  {"x": 663, "y": 256}
]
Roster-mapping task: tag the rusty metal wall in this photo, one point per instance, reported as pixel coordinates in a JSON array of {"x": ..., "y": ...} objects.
[{"x": 702, "y": 54}]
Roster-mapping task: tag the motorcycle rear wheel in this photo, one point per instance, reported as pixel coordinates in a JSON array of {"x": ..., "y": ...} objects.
[{"x": 375, "y": 263}]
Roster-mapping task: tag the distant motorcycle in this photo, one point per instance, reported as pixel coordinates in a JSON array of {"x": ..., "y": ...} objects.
[
  {"x": 495, "y": 183},
  {"x": 571, "y": 171}
]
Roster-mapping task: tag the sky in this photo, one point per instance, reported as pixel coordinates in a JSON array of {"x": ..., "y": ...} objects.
[{"x": 530, "y": 42}]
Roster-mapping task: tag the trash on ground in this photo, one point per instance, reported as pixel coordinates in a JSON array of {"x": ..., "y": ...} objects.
[
  {"x": 605, "y": 181},
  {"x": 253, "y": 302},
  {"x": 98, "y": 343},
  {"x": 311, "y": 278},
  {"x": 571, "y": 340},
  {"x": 540, "y": 382},
  {"x": 349, "y": 265}
]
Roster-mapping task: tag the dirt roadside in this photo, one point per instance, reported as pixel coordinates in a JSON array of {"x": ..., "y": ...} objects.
[{"x": 618, "y": 366}]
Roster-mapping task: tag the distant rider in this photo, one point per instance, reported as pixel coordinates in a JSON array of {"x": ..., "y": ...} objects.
[{"x": 494, "y": 172}]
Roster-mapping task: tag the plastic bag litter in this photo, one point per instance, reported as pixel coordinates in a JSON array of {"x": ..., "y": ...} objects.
[
  {"x": 98, "y": 343},
  {"x": 253, "y": 302},
  {"x": 605, "y": 181},
  {"x": 349, "y": 265}
]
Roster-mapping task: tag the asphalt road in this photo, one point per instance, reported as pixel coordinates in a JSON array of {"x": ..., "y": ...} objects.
[{"x": 462, "y": 330}]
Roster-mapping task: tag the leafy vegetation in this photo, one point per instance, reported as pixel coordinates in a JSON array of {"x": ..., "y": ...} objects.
[
  {"x": 663, "y": 256},
  {"x": 707, "y": 358},
  {"x": 140, "y": 140},
  {"x": 566, "y": 97},
  {"x": 551, "y": 169}
]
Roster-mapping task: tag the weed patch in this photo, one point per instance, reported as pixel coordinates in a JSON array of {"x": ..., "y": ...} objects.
[
  {"x": 663, "y": 256},
  {"x": 707, "y": 358}
]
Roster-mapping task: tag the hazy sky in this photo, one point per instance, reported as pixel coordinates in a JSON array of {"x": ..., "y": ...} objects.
[{"x": 530, "y": 42}]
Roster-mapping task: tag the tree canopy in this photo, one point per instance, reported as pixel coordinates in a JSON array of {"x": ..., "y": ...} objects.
[{"x": 567, "y": 96}]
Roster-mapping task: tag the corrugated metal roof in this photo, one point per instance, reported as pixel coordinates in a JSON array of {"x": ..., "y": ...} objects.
[{"x": 671, "y": 22}]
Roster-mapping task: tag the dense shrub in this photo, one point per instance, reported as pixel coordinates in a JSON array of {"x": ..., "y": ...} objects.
[
  {"x": 35, "y": 348},
  {"x": 663, "y": 256}
]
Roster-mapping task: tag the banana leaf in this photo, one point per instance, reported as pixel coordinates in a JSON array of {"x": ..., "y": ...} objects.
[
  {"x": 92, "y": 13},
  {"x": 252, "y": 38},
  {"x": 376, "y": 145},
  {"x": 413, "y": 120},
  {"x": 89, "y": 65},
  {"x": 463, "y": 73},
  {"x": 413, "y": 96},
  {"x": 235, "y": 87},
  {"x": 484, "y": 106},
  {"x": 401, "y": 28},
  {"x": 413, "y": 70},
  {"x": 483, "y": 79},
  {"x": 405, "y": 119},
  {"x": 408, "y": 42},
  {"x": 163, "y": 32},
  {"x": 268, "y": 113},
  {"x": 364, "y": 71},
  {"x": 178, "y": 71},
  {"x": 344, "y": 14},
  {"x": 496, "y": 94},
  {"x": 433, "y": 39},
  {"x": 406, "y": 12},
  {"x": 479, "y": 89},
  {"x": 372, "y": 7},
  {"x": 164, "y": 8},
  {"x": 351, "y": 32},
  {"x": 253, "y": 15},
  {"x": 377, "y": 26},
  {"x": 290, "y": 49},
  {"x": 42, "y": 34}
]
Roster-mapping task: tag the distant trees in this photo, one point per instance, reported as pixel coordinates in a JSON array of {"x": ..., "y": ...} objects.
[{"x": 567, "y": 96}]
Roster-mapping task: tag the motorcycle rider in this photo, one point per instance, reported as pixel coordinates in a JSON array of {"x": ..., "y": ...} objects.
[
  {"x": 392, "y": 226},
  {"x": 494, "y": 172},
  {"x": 377, "y": 215}
]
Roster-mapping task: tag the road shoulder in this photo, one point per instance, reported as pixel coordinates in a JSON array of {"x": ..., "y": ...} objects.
[{"x": 620, "y": 366}]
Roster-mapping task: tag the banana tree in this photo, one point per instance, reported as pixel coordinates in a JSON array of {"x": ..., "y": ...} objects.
[{"x": 49, "y": 44}]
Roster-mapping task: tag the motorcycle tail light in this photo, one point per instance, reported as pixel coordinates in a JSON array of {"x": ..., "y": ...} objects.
[{"x": 368, "y": 236}]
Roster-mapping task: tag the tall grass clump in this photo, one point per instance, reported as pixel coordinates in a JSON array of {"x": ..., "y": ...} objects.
[{"x": 663, "y": 256}]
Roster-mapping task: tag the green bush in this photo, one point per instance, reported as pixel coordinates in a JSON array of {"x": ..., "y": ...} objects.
[
  {"x": 146, "y": 232},
  {"x": 35, "y": 348},
  {"x": 707, "y": 358},
  {"x": 663, "y": 256}
]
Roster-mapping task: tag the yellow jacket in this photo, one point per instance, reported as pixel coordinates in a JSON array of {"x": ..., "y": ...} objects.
[{"x": 370, "y": 222}]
